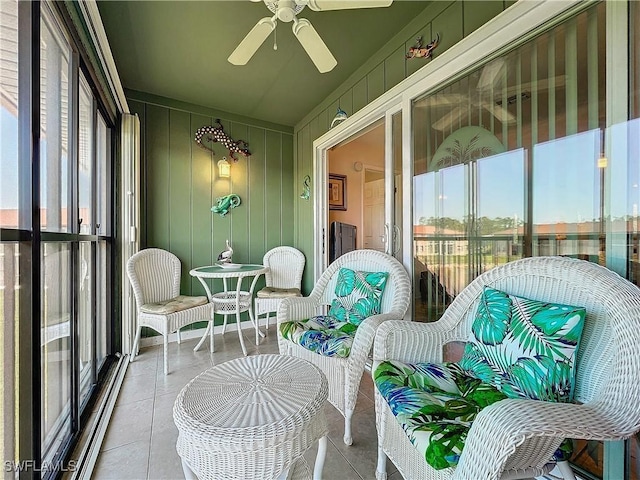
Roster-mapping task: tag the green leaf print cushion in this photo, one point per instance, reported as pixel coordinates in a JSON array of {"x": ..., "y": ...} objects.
[
  {"x": 358, "y": 295},
  {"x": 525, "y": 348}
]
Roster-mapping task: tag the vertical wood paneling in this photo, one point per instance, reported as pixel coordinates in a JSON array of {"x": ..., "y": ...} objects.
[
  {"x": 592, "y": 67},
  {"x": 286, "y": 205},
  {"x": 257, "y": 195},
  {"x": 476, "y": 14},
  {"x": 571, "y": 70},
  {"x": 239, "y": 216},
  {"x": 450, "y": 24},
  {"x": 394, "y": 66},
  {"x": 157, "y": 177},
  {"x": 182, "y": 183},
  {"x": 306, "y": 209},
  {"x": 551, "y": 75},
  {"x": 202, "y": 166},
  {"x": 180, "y": 191},
  {"x": 346, "y": 103},
  {"x": 375, "y": 82},
  {"x": 359, "y": 94},
  {"x": 274, "y": 192}
]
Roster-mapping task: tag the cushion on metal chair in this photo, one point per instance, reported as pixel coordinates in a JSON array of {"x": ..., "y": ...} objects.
[{"x": 173, "y": 305}]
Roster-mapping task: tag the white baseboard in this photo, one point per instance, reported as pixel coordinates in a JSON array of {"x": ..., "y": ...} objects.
[{"x": 190, "y": 334}]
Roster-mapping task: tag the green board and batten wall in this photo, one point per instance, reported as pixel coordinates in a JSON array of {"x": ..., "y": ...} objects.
[
  {"x": 385, "y": 69},
  {"x": 180, "y": 182},
  {"x": 179, "y": 185}
]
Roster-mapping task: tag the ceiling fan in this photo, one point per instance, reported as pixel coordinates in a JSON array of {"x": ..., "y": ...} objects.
[
  {"x": 286, "y": 11},
  {"x": 487, "y": 95}
]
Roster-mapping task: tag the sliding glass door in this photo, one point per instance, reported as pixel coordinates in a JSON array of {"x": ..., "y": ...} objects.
[{"x": 55, "y": 240}]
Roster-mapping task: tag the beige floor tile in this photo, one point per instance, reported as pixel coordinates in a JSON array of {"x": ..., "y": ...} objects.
[
  {"x": 128, "y": 462},
  {"x": 142, "y": 427}
]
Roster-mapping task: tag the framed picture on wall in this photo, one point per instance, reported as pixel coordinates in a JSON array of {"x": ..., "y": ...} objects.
[{"x": 337, "y": 192}]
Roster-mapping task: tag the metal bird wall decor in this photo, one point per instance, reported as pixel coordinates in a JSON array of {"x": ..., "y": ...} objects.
[
  {"x": 215, "y": 133},
  {"x": 423, "y": 51}
]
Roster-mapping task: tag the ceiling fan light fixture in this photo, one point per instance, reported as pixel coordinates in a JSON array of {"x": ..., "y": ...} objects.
[{"x": 313, "y": 45}]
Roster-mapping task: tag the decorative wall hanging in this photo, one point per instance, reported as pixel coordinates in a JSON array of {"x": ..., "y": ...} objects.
[
  {"x": 423, "y": 51},
  {"x": 306, "y": 188},
  {"x": 337, "y": 192},
  {"x": 215, "y": 133},
  {"x": 226, "y": 203},
  {"x": 341, "y": 116}
]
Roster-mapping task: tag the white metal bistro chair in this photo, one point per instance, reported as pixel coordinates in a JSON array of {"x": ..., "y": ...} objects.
[
  {"x": 283, "y": 280},
  {"x": 344, "y": 373},
  {"x": 516, "y": 437},
  {"x": 155, "y": 277}
]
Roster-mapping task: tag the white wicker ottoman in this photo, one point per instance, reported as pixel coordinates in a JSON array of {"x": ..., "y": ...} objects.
[{"x": 252, "y": 418}]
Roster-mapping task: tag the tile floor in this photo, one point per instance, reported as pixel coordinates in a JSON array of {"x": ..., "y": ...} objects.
[{"x": 141, "y": 440}]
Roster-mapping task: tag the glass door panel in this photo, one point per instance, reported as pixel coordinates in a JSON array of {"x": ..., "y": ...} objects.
[
  {"x": 357, "y": 193},
  {"x": 500, "y": 210},
  {"x": 567, "y": 208},
  {"x": 397, "y": 207},
  {"x": 85, "y": 157},
  {"x": 54, "y": 109},
  {"x": 56, "y": 347},
  {"x": 85, "y": 320}
]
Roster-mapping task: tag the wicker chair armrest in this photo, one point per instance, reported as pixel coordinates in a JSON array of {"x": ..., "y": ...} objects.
[
  {"x": 297, "y": 308},
  {"x": 502, "y": 427},
  {"x": 411, "y": 342}
]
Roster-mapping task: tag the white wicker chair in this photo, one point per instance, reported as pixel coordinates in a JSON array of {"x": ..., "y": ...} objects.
[
  {"x": 344, "y": 374},
  {"x": 515, "y": 438},
  {"x": 155, "y": 277},
  {"x": 286, "y": 265}
]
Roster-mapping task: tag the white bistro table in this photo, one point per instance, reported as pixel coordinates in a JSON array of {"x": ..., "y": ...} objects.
[
  {"x": 230, "y": 302},
  {"x": 252, "y": 418}
]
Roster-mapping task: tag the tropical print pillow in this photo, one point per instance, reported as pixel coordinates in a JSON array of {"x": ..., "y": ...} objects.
[
  {"x": 435, "y": 405},
  {"x": 323, "y": 335},
  {"x": 525, "y": 348},
  {"x": 358, "y": 295}
]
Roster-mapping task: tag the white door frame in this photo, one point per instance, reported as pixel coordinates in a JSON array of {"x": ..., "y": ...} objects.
[{"x": 512, "y": 24}]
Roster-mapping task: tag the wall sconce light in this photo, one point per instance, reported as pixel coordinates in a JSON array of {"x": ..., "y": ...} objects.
[{"x": 224, "y": 168}]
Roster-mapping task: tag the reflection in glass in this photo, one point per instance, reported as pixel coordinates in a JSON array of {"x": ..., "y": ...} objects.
[
  {"x": 9, "y": 166},
  {"x": 500, "y": 213},
  {"x": 85, "y": 156},
  {"x": 102, "y": 317},
  {"x": 85, "y": 320},
  {"x": 54, "y": 122},
  {"x": 56, "y": 347},
  {"x": 567, "y": 216},
  {"x": 102, "y": 184},
  {"x": 9, "y": 310},
  {"x": 485, "y": 177}
]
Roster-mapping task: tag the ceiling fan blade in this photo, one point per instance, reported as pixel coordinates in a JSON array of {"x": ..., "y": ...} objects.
[
  {"x": 250, "y": 44},
  {"x": 313, "y": 45},
  {"x": 322, "y": 5},
  {"x": 500, "y": 112},
  {"x": 491, "y": 74},
  {"x": 448, "y": 119}
]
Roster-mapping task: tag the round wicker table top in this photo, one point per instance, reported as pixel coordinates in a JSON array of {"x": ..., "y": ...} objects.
[{"x": 250, "y": 417}]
